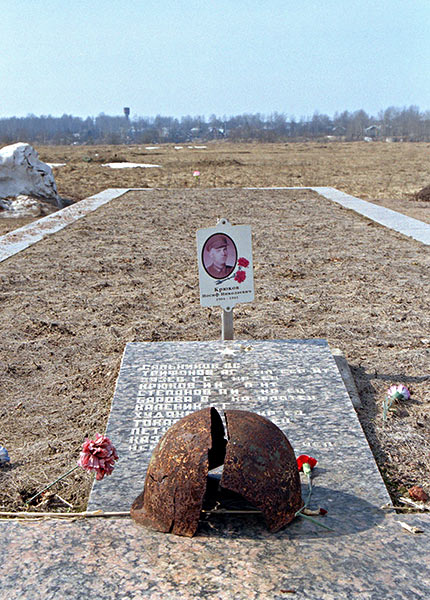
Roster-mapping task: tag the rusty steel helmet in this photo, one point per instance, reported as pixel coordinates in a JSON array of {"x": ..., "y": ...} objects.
[{"x": 259, "y": 465}]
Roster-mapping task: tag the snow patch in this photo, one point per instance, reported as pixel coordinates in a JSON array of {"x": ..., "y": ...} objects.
[{"x": 129, "y": 165}]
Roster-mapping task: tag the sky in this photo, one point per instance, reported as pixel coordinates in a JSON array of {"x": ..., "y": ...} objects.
[{"x": 222, "y": 57}]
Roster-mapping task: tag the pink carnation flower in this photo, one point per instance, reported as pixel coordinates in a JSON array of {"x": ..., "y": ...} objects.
[
  {"x": 98, "y": 455},
  {"x": 399, "y": 392},
  {"x": 243, "y": 262},
  {"x": 196, "y": 174},
  {"x": 240, "y": 276}
]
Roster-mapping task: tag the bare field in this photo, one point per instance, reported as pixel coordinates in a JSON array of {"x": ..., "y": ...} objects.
[
  {"x": 386, "y": 173},
  {"x": 376, "y": 170},
  {"x": 72, "y": 301}
]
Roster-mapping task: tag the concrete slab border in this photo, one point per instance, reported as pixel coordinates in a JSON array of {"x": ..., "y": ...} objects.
[
  {"x": 348, "y": 379},
  {"x": 418, "y": 230},
  {"x": 13, "y": 242}
]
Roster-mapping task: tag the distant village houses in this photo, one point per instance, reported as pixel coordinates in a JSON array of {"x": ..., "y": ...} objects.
[{"x": 392, "y": 124}]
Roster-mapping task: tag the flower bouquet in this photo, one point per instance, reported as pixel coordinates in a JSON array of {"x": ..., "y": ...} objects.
[{"x": 98, "y": 455}]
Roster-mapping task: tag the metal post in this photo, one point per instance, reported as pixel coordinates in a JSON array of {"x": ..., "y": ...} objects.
[{"x": 227, "y": 324}]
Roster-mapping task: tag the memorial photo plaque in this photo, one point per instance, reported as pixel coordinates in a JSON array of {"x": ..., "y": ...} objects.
[{"x": 224, "y": 255}]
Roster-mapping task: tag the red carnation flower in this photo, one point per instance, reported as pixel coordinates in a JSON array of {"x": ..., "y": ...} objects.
[
  {"x": 98, "y": 455},
  {"x": 243, "y": 262},
  {"x": 304, "y": 459},
  {"x": 240, "y": 276}
]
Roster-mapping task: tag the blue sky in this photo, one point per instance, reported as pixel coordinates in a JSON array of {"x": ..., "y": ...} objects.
[{"x": 176, "y": 58}]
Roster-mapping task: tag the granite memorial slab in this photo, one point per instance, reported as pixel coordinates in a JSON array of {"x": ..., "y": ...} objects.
[
  {"x": 115, "y": 559},
  {"x": 294, "y": 383}
]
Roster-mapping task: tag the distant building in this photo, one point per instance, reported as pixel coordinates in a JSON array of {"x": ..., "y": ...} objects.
[
  {"x": 372, "y": 131},
  {"x": 216, "y": 133},
  {"x": 338, "y": 130}
]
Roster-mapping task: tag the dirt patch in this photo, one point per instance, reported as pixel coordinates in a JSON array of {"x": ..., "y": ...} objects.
[{"x": 72, "y": 301}]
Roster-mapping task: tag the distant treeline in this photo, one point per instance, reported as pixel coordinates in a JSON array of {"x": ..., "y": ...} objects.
[{"x": 396, "y": 124}]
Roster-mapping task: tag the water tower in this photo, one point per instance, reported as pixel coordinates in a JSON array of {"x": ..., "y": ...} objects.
[{"x": 127, "y": 112}]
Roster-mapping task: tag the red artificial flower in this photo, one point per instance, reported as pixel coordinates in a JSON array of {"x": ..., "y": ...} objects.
[
  {"x": 98, "y": 455},
  {"x": 303, "y": 459},
  {"x": 243, "y": 262},
  {"x": 240, "y": 276}
]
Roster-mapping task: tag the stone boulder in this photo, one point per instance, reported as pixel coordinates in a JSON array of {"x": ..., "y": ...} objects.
[{"x": 22, "y": 173}]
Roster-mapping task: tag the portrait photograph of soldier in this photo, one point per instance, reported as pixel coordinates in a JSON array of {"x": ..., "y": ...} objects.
[{"x": 219, "y": 256}]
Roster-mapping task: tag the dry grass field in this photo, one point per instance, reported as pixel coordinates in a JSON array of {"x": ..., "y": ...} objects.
[
  {"x": 376, "y": 170},
  {"x": 72, "y": 301},
  {"x": 386, "y": 173}
]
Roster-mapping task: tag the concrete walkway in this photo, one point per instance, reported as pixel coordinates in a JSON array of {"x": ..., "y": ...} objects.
[
  {"x": 13, "y": 242},
  {"x": 418, "y": 230},
  {"x": 384, "y": 216}
]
